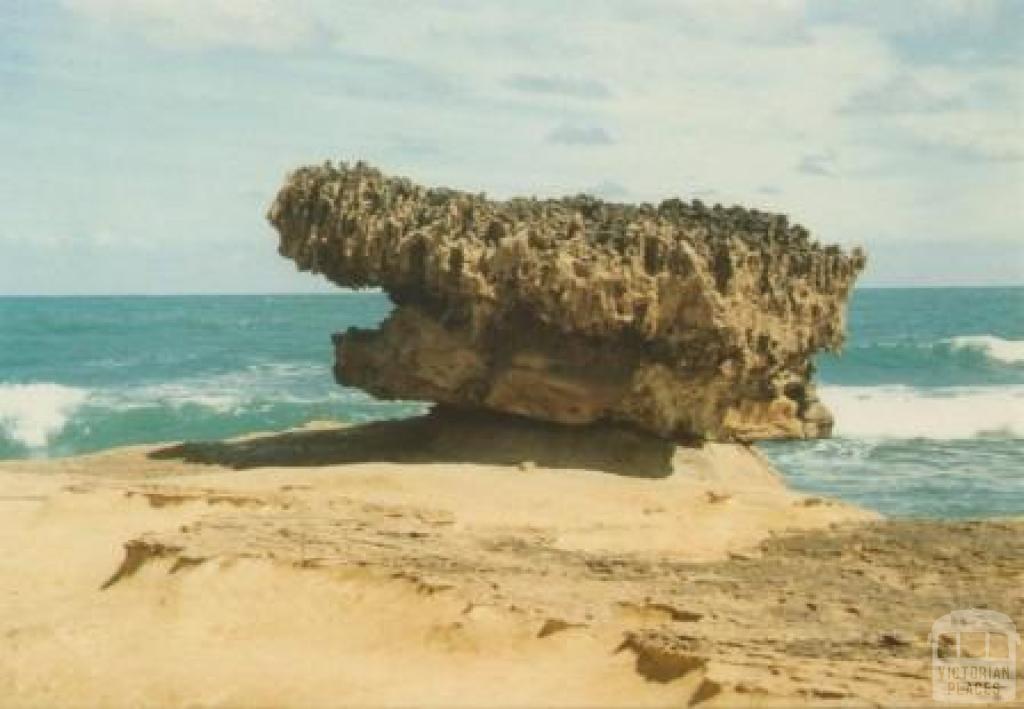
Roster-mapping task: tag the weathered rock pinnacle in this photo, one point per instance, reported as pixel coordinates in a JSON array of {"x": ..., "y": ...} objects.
[{"x": 686, "y": 321}]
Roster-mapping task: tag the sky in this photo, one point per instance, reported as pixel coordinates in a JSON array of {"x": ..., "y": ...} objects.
[{"x": 143, "y": 140}]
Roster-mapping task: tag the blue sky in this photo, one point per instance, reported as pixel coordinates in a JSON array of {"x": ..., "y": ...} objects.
[{"x": 144, "y": 139}]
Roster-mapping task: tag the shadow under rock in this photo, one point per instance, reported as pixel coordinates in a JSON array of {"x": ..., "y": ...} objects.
[{"x": 444, "y": 436}]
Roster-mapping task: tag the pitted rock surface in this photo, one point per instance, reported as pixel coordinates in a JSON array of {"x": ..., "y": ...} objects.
[{"x": 686, "y": 321}]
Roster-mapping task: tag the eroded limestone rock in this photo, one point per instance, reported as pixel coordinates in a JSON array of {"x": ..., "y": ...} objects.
[{"x": 687, "y": 321}]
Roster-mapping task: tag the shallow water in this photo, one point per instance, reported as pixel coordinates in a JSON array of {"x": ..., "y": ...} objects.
[{"x": 928, "y": 396}]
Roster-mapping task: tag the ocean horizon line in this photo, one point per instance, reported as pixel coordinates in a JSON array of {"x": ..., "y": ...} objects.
[{"x": 364, "y": 291}]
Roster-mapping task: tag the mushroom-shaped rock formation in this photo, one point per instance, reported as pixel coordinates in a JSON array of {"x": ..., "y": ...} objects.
[{"x": 686, "y": 321}]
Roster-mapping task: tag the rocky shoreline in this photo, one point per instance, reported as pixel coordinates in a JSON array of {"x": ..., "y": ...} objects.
[{"x": 580, "y": 520}]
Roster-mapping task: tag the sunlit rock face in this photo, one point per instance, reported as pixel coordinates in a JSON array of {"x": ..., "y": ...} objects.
[{"x": 686, "y": 321}]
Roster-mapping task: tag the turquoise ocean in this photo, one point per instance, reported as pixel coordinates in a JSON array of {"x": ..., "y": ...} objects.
[{"x": 928, "y": 394}]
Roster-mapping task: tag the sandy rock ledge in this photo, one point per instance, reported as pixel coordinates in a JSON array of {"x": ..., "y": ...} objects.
[{"x": 427, "y": 561}]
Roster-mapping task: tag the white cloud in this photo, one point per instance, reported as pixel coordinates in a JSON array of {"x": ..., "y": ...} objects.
[
  {"x": 574, "y": 134},
  {"x": 817, "y": 164},
  {"x": 263, "y": 24},
  {"x": 609, "y": 189},
  {"x": 744, "y": 101},
  {"x": 555, "y": 85},
  {"x": 762, "y": 23},
  {"x": 902, "y": 94}
]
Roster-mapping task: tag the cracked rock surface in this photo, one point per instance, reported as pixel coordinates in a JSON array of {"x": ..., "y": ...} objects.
[
  {"x": 685, "y": 321},
  {"x": 310, "y": 568}
]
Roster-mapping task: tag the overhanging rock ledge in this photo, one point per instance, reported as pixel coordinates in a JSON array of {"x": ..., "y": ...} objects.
[{"x": 686, "y": 321}]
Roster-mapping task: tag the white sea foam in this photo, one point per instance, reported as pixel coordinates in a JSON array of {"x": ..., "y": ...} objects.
[
  {"x": 1006, "y": 351},
  {"x": 172, "y": 394},
  {"x": 225, "y": 393},
  {"x": 945, "y": 414},
  {"x": 289, "y": 369},
  {"x": 33, "y": 413}
]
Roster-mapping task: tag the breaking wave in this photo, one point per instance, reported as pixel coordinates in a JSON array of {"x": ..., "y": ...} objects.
[
  {"x": 992, "y": 347},
  {"x": 947, "y": 413},
  {"x": 32, "y": 414},
  {"x": 52, "y": 419}
]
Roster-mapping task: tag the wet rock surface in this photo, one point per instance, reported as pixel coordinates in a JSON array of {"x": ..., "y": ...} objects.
[{"x": 686, "y": 321}]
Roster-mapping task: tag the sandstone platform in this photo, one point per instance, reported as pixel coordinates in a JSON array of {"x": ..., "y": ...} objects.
[{"x": 308, "y": 568}]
